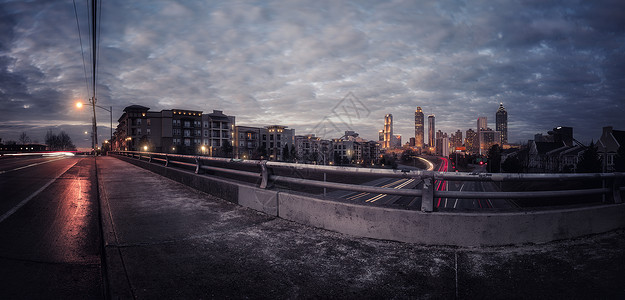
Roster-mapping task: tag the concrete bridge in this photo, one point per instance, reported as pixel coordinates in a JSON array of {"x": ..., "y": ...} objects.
[
  {"x": 270, "y": 252},
  {"x": 164, "y": 239}
]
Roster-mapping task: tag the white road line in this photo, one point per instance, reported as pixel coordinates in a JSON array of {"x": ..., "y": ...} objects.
[
  {"x": 456, "y": 203},
  {"x": 31, "y": 165},
  {"x": 19, "y": 205}
]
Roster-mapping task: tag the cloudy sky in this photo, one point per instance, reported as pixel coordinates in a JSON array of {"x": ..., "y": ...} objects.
[{"x": 307, "y": 64}]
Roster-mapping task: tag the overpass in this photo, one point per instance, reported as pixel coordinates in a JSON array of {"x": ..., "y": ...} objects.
[
  {"x": 299, "y": 193},
  {"x": 158, "y": 238}
]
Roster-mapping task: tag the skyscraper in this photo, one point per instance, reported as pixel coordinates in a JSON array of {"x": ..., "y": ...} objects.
[
  {"x": 431, "y": 131},
  {"x": 388, "y": 131},
  {"x": 471, "y": 142},
  {"x": 481, "y": 123},
  {"x": 501, "y": 123},
  {"x": 418, "y": 127}
]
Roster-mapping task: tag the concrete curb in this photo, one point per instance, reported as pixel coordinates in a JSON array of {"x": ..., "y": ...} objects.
[
  {"x": 452, "y": 229},
  {"x": 118, "y": 283}
]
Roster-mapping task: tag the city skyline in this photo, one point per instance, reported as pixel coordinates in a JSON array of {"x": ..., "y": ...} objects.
[{"x": 550, "y": 63}]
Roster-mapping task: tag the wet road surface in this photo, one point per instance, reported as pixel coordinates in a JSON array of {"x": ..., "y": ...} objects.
[{"x": 49, "y": 229}]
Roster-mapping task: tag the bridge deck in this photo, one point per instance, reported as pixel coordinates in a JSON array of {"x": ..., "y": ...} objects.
[{"x": 166, "y": 240}]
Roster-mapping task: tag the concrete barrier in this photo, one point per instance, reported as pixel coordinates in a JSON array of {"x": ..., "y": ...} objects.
[
  {"x": 438, "y": 228},
  {"x": 456, "y": 229}
]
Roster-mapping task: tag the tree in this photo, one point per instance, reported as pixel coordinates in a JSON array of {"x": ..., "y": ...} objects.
[
  {"x": 286, "y": 154},
  {"x": 227, "y": 149},
  {"x": 589, "y": 162},
  {"x": 512, "y": 164},
  {"x": 259, "y": 153},
  {"x": 60, "y": 142},
  {"x": 24, "y": 139},
  {"x": 494, "y": 159},
  {"x": 619, "y": 159},
  {"x": 337, "y": 158},
  {"x": 407, "y": 155},
  {"x": 293, "y": 153}
]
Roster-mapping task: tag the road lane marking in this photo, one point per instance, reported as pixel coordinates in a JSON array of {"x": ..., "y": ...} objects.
[
  {"x": 456, "y": 203},
  {"x": 23, "y": 202},
  {"x": 31, "y": 165},
  {"x": 378, "y": 197}
]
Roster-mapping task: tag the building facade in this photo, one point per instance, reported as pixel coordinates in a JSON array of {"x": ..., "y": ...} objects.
[
  {"x": 388, "y": 131},
  {"x": 274, "y": 139},
  {"x": 501, "y": 123},
  {"x": 431, "y": 131},
  {"x": 173, "y": 131},
  {"x": 247, "y": 142},
  {"x": 418, "y": 128},
  {"x": 218, "y": 134},
  {"x": 470, "y": 141}
]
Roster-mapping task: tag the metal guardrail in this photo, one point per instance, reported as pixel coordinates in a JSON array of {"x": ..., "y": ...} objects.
[{"x": 612, "y": 183}]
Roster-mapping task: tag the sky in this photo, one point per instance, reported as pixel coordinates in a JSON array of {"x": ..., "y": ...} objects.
[{"x": 319, "y": 67}]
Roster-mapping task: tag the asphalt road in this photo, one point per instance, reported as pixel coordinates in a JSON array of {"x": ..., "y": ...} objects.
[
  {"x": 474, "y": 186},
  {"x": 442, "y": 165},
  {"x": 49, "y": 229}
]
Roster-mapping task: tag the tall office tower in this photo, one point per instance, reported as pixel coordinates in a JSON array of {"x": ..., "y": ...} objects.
[
  {"x": 471, "y": 142},
  {"x": 456, "y": 139},
  {"x": 481, "y": 123},
  {"x": 501, "y": 123},
  {"x": 381, "y": 136},
  {"x": 431, "y": 131},
  {"x": 418, "y": 127},
  {"x": 388, "y": 131}
]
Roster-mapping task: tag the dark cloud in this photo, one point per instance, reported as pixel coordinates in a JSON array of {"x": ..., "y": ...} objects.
[{"x": 551, "y": 63}]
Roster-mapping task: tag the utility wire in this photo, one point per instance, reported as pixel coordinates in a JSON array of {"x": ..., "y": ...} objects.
[
  {"x": 82, "y": 52},
  {"x": 99, "y": 36},
  {"x": 94, "y": 17}
]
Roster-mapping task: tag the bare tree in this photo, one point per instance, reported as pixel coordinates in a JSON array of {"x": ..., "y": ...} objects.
[
  {"x": 62, "y": 141},
  {"x": 24, "y": 139}
]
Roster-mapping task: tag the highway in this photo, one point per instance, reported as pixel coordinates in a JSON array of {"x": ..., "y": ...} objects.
[
  {"x": 49, "y": 229},
  {"x": 474, "y": 186},
  {"x": 442, "y": 185}
]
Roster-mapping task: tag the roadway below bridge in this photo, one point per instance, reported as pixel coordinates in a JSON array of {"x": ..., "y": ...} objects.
[
  {"x": 441, "y": 165},
  {"x": 162, "y": 239}
]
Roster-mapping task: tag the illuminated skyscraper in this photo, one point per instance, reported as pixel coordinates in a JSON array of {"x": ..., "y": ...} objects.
[
  {"x": 501, "y": 123},
  {"x": 481, "y": 123},
  {"x": 471, "y": 142},
  {"x": 418, "y": 128},
  {"x": 431, "y": 131},
  {"x": 388, "y": 131}
]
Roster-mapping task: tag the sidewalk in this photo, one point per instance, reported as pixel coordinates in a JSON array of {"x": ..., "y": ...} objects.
[{"x": 166, "y": 240}]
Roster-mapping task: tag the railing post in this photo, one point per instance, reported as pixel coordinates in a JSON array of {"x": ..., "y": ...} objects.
[
  {"x": 427, "y": 197},
  {"x": 149, "y": 157},
  {"x": 198, "y": 165},
  {"x": 265, "y": 172},
  {"x": 166, "y": 160},
  {"x": 324, "y": 180}
]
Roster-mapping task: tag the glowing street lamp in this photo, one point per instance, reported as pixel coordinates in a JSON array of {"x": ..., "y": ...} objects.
[
  {"x": 95, "y": 130},
  {"x": 145, "y": 148}
]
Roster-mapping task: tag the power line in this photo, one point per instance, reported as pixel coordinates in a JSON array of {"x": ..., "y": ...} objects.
[
  {"x": 82, "y": 52},
  {"x": 94, "y": 17}
]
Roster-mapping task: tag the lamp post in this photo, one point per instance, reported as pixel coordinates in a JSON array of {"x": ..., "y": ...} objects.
[{"x": 95, "y": 128}]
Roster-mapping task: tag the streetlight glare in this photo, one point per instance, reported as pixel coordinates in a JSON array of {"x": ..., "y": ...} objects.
[{"x": 79, "y": 104}]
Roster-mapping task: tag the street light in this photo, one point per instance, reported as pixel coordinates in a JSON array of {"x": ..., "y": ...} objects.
[{"x": 110, "y": 110}]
